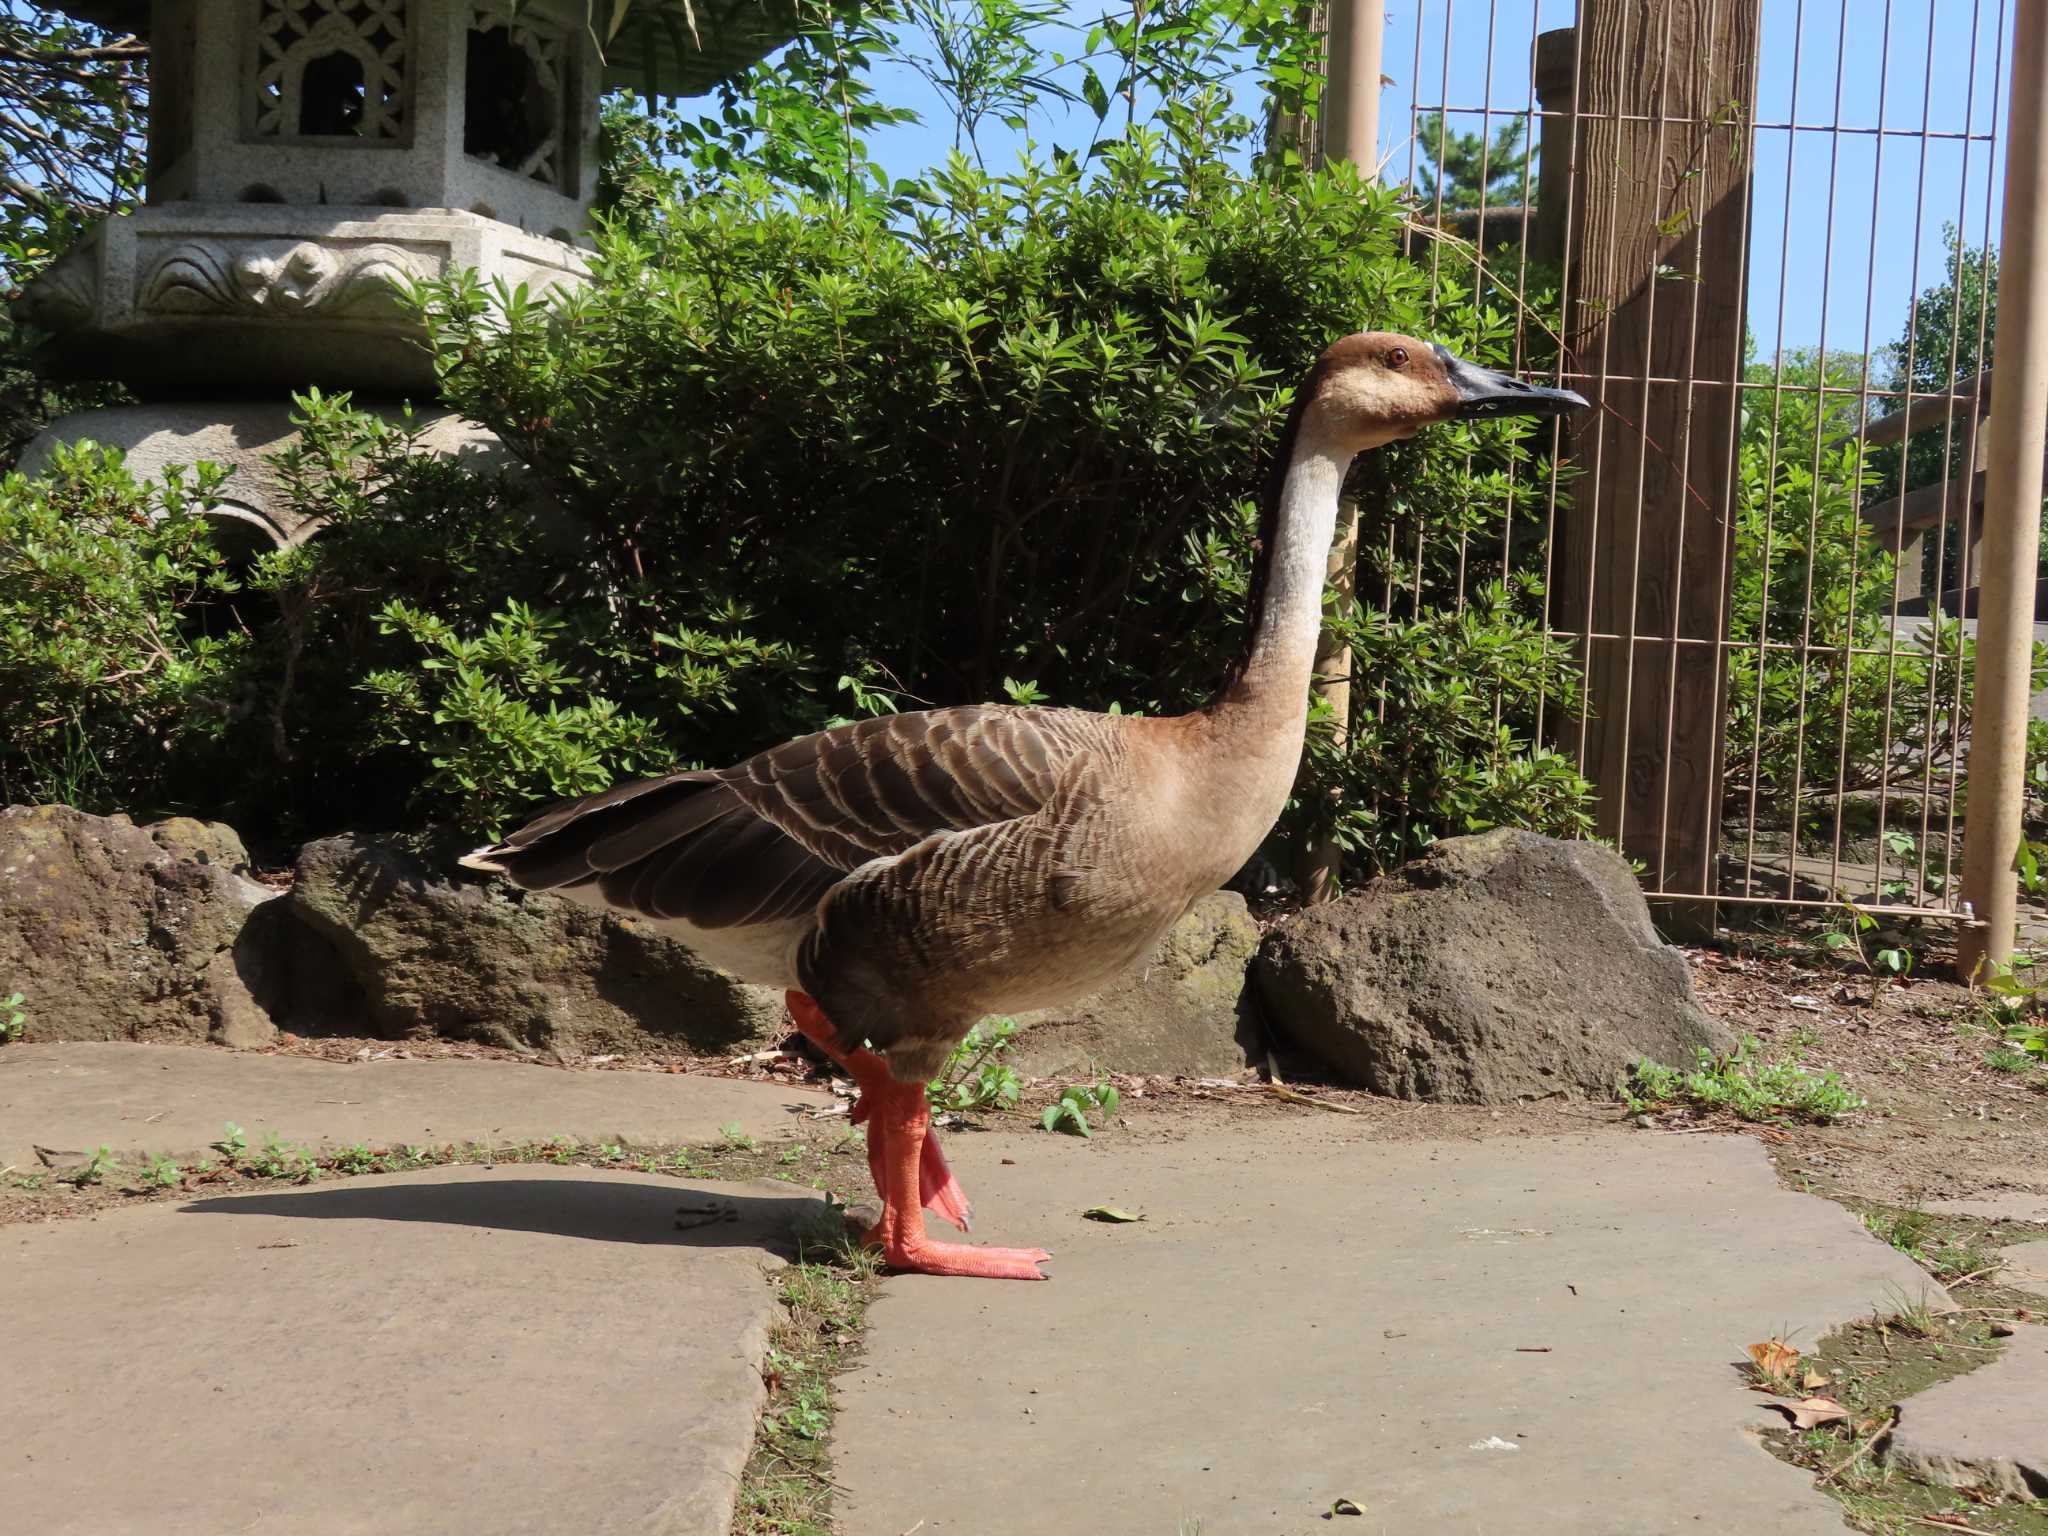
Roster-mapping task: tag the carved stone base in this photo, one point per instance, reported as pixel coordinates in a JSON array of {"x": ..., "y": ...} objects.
[
  {"x": 183, "y": 296},
  {"x": 241, "y": 435}
]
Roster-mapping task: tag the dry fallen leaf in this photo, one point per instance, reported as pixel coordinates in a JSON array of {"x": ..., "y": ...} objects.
[
  {"x": 1813, "y": 1381},
  {"x": 1810, "y": 1412},
  {"x": 1775, "y": 1358}
]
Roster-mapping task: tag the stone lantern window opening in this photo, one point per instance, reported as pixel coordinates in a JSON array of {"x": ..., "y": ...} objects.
[
  {"x": 331, "y": 69},
  {"x": 517, "y": 98}
]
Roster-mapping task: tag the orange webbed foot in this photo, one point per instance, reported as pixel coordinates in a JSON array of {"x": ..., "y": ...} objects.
[{"x": 924, "y": 1257}]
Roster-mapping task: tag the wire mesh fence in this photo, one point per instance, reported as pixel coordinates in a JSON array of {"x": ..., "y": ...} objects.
[{"x": 1759, "y": 236}]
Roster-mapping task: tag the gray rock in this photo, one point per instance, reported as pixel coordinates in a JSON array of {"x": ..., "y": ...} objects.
[
  {"x": 1181, "y": 1015},
  {"x": 112, "y": 933},
  {"x": 1988, "y": 1429},
  {"x": 432, "y": 956},
  {"x": 1495, "y": 967}
]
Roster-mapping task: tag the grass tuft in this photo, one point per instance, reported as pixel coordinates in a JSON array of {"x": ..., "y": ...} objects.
[{"x": 1746, "y": 1084}]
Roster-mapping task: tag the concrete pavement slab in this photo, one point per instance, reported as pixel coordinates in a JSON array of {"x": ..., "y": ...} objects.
[
  {"x": 2025, "y": 1266},
  {"x": 2002, "y": 1205},
  {"x": 534, "y": 1350},
  {"x": 1988, "y": 1429},
  {"x": 1507, "y": 1337},
  {"x": 173, "y": 1100}
]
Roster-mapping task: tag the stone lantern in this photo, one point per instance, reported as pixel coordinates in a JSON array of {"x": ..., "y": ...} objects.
[{"x": 304, "y": 155}]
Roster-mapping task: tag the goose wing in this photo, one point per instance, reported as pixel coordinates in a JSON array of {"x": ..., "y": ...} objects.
[{"x": 763, "y": 841}]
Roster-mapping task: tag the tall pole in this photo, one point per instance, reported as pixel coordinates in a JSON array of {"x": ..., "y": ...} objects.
[
  {"x": 1351, "y": 103},
  {"x": 2012, "y": 512},
  {"x": 1351, "y": 131}
]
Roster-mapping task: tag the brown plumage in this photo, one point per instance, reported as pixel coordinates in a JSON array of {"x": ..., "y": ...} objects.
[{"x": 916, "y": 872}]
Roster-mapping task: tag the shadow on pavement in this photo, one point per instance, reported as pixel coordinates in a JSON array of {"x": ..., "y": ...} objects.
[{"x": 676, "y": 1214}]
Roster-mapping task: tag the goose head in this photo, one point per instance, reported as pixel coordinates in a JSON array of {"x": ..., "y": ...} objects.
[{"x": 1378, "y": 386}]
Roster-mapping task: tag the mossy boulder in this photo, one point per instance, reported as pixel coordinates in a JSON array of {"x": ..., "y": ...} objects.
[
  {"x": 1182, "y": 1014},
  {"x": 112, "y": 932}
]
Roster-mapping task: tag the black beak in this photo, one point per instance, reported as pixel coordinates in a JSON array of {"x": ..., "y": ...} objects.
[{"x": 1482, "y": 392}]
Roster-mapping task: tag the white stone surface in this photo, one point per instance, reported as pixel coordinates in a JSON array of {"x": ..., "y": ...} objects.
[
  {"x": 267, "y": 294},
  {"x": 241, "y": 435}
]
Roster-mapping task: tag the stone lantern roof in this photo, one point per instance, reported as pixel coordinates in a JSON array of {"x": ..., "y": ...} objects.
[
  {"x": 649, "y": 50},
  {"x": 304, "y": 155}
]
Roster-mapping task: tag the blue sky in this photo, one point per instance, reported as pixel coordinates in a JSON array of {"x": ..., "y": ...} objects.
[
  {"x": 1877, "y": 201},
  {"x": 1861, "y": 64}
]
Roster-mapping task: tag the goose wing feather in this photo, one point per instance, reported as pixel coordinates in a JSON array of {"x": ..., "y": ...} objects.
[{"x": 765, "y": 840}]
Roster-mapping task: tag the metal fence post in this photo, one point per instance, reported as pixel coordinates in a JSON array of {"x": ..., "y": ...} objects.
[{"x": 2012, "y": 512}]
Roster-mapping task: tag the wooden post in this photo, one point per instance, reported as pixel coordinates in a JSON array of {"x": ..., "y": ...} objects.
[
  {"x": 2012, "y": 514},
  {"x": 1660, "y": 155},
  {"x": 1351, "y": 130}
]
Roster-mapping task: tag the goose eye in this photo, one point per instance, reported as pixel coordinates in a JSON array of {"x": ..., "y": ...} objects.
[{"x": 1397, "y": 357}]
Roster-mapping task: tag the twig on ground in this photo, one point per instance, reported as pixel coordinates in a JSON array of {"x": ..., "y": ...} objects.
[{"x": 1281, "y": 1090}]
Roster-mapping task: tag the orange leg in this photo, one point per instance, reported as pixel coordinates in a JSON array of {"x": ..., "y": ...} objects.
[
  {"x": 938, "y": 1191},
  {"x": 900, "y": 1109}
]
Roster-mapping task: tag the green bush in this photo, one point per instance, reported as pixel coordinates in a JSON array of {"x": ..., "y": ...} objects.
[
  {"x": 1014, "y": 438},
  {"x": 111, "y": 677}
]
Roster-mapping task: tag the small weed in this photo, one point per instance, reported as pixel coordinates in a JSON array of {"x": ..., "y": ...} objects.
[
  {"x": 234, "y": 1141},
  {"x": 2014, "y": 998},
  {"x": 355, "y": 1159},
  {"x": 277, "y": 1160},
  {"x": 162, "y": 1173},
  {"x": 974, "y": 1076},
  {"x": 1914, "y": 1319},
  {"x": 1884, "y": 964},
  {"x": 1744, "y": 1083},
  {"x": 733, "y": 1138},
  {"x": 793, "y": 1153},
  {"x": 1069, "y": 1113},
  {"x": 558, "y": 1149},
  {"x": 1926, "y": 1241},
  {"x": 2003, "y": 1058},
  {"x": 611, "y": 1152},
  {"x": 13, "y": 1022},
  {"x": 93, "y": 1170}
]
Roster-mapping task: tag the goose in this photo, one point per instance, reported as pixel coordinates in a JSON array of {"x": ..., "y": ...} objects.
[{"x": 903, "y": 877}]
